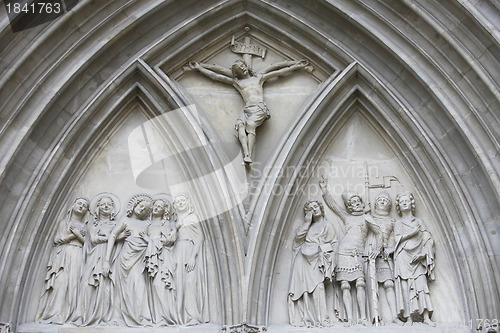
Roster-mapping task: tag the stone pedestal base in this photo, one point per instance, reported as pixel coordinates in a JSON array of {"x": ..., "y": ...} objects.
[
  {"x": 393, "y": 328},
  {"x": 41, "y": 328},
  {"x": 213, "y": 328}
]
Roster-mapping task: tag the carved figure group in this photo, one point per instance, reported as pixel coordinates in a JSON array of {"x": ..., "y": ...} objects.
[
  {"x": 374, "y": 250},
  {"x": 147, "y": 268}
]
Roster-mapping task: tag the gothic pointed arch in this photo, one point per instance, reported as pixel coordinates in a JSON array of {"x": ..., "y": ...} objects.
[
  {"x": 422, "y": 73},
  {"x": 136, "y": 97},
  {"x": 297, "y": 171}
]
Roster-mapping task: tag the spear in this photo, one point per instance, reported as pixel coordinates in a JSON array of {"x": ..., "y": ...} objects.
[{"x": 371, "y": 261}]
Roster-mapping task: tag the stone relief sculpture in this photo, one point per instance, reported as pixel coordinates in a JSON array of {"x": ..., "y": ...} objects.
[
  {"x": 59, "y": 299},
  {"x": 148, "y": 268},
  {"x": 315, "y": 245},
  {"x": 413, "y": 263},
  {"x": 131, "y": 306},
  {"x": 190, "y": 277},
  {"x": 160, "y": 263},
  {"x": 384, "y": 262},
  {"x": 250, "y": 86},
  {"x": 243, "y": 328},
  {"x": 350, "y": 265},
  {"x": 158, "y": 274},
  {"x": 96, "y": 291}
]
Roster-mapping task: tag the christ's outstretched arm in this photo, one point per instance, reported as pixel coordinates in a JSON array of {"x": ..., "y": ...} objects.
[
  {"x": 217, "y": 69},
  {"x": 284, "y": 68},
  {"x": 211, "y": 73}
]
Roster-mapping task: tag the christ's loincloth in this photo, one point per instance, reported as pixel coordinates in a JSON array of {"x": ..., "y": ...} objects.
[{"x": 252, "y": 116}]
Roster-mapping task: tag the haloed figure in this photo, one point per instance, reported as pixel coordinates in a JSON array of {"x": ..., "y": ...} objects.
[
  {"x": 58, "y": 303},
  {"x": 131, "y": 303},
  {"x": 96, "y": 293},
  {"x": 413, "y": 263},
  {"x": 160, "y": 263}
]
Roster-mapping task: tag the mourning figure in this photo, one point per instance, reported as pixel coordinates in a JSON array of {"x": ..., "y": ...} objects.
[
  {"x": 131, "y": 303},
  {"x": 190, "y": 278},
  {"x": 59, "y": 300},
  {"x": 160, "y": 263},
  {"x": 315, "y": 244},
  {"x": 96, "y": 291}
]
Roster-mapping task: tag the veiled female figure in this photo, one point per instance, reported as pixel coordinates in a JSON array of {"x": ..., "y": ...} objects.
[
  {"x": 131, "y": 303},
  {"x": 190, "y": 277},
  {"x": 315, "y": 244},
  {"x": 96, "y": 292},
  {"x": 413, "y": 263},
  {"x": 160, "y": 264},
  {"x": 58, "y": 303}
]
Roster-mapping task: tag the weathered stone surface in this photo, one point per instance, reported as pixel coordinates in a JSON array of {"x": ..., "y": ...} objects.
[{"x": 102, "y": 100}]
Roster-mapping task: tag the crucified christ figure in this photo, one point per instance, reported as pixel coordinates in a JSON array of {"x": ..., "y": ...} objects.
[{"x": 250, "y": 85}]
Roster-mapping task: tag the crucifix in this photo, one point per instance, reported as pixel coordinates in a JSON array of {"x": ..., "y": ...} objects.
[{"x": 250, "y": 86}]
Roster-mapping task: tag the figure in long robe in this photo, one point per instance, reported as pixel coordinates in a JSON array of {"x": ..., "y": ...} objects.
[
  {"x": 315, "y": 244},
  {"x": 160, "y": 263},
  {"x": 59, "y": 300},
  {"x": 191, "y": 272},
  {"x": 131, "y": 306},
  {"x": 96, "y": 292},
  {"x": 413, "y": 263}
]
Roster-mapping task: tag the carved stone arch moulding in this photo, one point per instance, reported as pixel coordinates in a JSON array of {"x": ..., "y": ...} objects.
[
  {"x": 346, "y": 127},
  {"x": 124, "y": 126},
  {"x": 364, "y": 96}
]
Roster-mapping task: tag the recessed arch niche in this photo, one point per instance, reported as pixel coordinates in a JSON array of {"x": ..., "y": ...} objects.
[
  {"x": 357, "y": 146},
  {"x": 424, "y": 72},
  {"x": 359, "y": 115},
  {"x": 137, "y": 111}
]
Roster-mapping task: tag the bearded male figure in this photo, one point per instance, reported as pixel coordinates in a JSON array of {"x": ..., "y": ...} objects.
[{"x": 349, "y": 257}]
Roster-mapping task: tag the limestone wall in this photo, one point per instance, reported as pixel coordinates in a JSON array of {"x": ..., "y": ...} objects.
[{"x": 400, "y": 88}]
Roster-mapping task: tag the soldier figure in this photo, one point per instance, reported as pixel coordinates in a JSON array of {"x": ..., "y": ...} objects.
[
  {"x": 349, "y": 261},
  {"x": 384, "y": 263}
]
